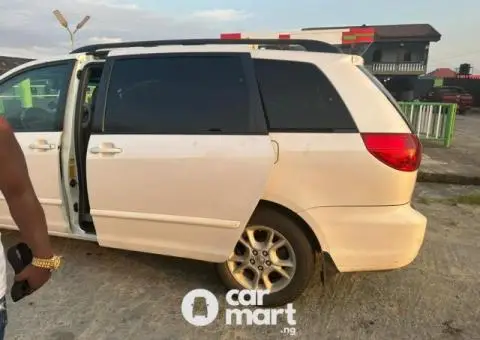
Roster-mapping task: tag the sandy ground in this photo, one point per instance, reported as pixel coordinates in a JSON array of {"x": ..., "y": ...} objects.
[{"x": 111, "y": 294}]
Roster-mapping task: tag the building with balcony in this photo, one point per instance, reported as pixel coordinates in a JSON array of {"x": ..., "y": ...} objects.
[{"x": 395, "y": 54}]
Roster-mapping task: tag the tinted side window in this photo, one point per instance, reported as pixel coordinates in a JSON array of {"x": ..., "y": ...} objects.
[
  {"x": 178, "y": 95},
  {"x": 298, "y": 97}
]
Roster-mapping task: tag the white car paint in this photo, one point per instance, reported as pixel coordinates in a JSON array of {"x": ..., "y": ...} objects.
[{"x": 191, "y": 196}]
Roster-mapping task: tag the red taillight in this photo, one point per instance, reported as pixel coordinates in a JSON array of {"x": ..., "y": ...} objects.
[{"x": 401, "y": 151}]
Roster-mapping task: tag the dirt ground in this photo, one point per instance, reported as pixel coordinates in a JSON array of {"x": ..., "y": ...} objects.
[
  {"x": 462, "y": 158},
  {"x": 111, "y": 294}
]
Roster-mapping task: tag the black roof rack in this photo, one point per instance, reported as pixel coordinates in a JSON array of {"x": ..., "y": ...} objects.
[{"x": 308, "y": 45}]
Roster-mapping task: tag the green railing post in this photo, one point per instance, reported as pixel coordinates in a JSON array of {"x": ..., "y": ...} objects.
[
  {"x": 450, "y": 125},
  {"x": 431, "y": 121}
]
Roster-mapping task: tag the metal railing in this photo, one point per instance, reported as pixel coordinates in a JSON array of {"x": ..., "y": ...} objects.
[
  {"x": 431, "y": 121},
  {"x": 396, "y": 68}
]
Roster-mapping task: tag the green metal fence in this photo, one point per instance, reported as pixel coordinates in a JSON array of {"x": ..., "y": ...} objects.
[{"x": 431, "y": 121}]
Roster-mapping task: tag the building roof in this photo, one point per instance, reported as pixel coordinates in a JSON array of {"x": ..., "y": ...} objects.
[
  {"x": 7, "y": 63},
  {"x": 442, "y": 73},
  {"x": 395, "y": 32}
]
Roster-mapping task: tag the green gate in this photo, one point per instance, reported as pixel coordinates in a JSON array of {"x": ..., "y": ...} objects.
[{"x": 431, "y": 121}]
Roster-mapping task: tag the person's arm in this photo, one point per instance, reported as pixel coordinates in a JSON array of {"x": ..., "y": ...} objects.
[
  {"x": 25, "y": 208},
  {"x": 19, "y": 193}
]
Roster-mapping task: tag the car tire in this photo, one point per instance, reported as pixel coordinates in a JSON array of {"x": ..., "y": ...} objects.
[{"x": 304, "y": 255}]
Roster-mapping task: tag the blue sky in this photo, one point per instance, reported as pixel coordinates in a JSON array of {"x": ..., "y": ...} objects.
[{"x": 29, "y": 28}]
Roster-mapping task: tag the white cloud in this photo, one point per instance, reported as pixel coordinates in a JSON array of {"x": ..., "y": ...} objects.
[
  {"x": 115, "y": 4},
  {"x": 29, "y": 29},
  {"x": 103, "y": 40},
  {"x": 221, "y": 14}
]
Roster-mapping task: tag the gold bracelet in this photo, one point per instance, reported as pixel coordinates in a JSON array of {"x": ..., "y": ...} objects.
[{"x": 51, "y": 264}]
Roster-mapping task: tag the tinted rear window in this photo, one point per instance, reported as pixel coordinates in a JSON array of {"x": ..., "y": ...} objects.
[{"x": 298, "y": 97}]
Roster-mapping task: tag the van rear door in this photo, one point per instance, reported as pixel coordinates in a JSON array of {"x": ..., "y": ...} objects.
[{"x": 179, "y": 155}]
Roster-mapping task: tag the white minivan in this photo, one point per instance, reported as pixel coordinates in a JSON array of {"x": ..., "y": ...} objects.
[{"x": 257, "y": 160}]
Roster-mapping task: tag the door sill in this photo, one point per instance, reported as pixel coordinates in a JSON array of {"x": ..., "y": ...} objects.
[{"x": 86, "y": 224}]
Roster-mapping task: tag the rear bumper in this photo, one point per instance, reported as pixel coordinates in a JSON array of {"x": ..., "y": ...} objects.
[{"x": 368, "y": 238}]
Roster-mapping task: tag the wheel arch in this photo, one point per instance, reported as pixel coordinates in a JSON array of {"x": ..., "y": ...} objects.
[{"x": 303, "y": 225}]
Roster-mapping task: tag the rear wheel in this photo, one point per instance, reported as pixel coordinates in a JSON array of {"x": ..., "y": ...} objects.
[{"x": 272, "y": 254}]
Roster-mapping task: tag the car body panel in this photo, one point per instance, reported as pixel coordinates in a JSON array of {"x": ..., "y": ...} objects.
[
  {"x": 188, "y": 196},
  {"x": 191, "y": 196},
  {"x": 334, "y": 170},
  {"x": 368, "y": 238},
  {"x": 44, "y": 170},
  {"x": 42, "y": 155}
]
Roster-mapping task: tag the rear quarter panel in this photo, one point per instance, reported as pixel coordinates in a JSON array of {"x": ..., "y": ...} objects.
[
  {"x": 321, "y": 170},
  {"x": 336, "y": 169}
]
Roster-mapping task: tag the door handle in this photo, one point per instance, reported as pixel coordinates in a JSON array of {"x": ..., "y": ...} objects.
[
  {"x": 42, "y": 144},
  {"x": 105, "y": 148},
  {"x": 276, "y": 149}
]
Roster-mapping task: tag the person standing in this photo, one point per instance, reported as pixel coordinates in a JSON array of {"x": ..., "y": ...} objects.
[{"x": 27, "y": 212}]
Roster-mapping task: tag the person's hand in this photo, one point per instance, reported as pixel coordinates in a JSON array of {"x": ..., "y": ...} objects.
[{"x": 36, "y": 277}]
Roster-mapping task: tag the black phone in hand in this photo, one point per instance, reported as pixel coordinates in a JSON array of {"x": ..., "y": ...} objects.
[{"x": 19, "y": 256}]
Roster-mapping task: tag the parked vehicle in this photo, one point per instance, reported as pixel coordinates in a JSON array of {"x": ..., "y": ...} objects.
[
  {"x": 451, "y": 94},
  {"x": 256, "y": 160}
]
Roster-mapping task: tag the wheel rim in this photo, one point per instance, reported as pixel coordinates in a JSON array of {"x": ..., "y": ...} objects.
[{"x": 263, "y": 259}]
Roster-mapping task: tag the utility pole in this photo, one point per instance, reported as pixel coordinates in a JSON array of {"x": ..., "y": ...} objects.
[{"x": 64, "y": 23}]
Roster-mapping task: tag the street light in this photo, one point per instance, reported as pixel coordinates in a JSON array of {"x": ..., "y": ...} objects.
[{"x": 61, "y": 19}]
